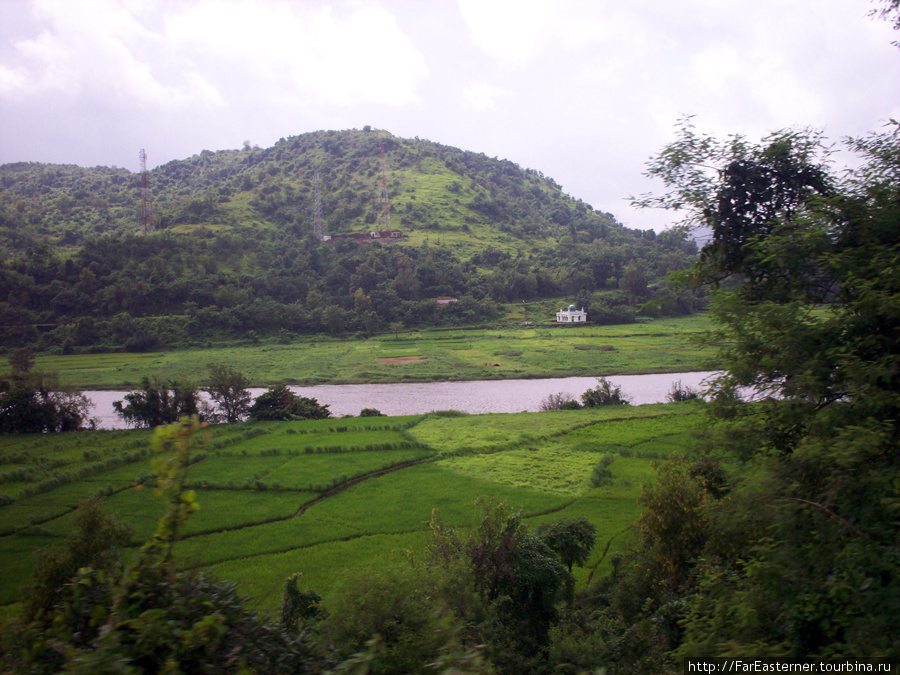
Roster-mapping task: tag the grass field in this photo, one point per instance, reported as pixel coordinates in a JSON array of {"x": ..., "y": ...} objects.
[
  {"x": 509, "y": 351},
  {"x": 328, "y": 497}
]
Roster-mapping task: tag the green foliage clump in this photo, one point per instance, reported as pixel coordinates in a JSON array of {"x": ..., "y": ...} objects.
[
  {"x": 32, "y": 402},
  {"x": 781, "y": 539},
  {"x": 297, "y": 606},
  {"x": 96, "y": 543},
  {"x": 396, "y": 616},
  {"x": 604, "y": 394},
  {"x": 679, "y": 393},
  {"x": 371, "y": 412},
  {"x": 279, "y": 403},
  {"x": 158, "y": 403},
  {"x": 227, "y": 389},
  {"x": 519, "y": 581},
  {"x": 560, "y": 401},
  {"x": 571, "y": 538},
  {"x": 601, "y": 474}
]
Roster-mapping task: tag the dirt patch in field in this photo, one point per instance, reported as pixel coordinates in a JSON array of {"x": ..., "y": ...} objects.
[{"x": 402, "y": 359}]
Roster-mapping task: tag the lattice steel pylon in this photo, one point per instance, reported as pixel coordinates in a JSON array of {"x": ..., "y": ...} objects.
[
  {"x": 384, "y": 215},
  {"x": 319, "y": 224},
  {"x": 145, "y": 209}
]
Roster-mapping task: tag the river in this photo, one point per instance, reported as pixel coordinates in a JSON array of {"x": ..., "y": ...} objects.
[{"x": 478, "y": 396}]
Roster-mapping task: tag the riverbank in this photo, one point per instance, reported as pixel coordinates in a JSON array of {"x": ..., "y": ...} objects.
[{"x": 658, "y": 346}]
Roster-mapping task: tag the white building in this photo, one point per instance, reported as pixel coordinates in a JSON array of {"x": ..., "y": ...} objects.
[{"x": 571, "y": 315}]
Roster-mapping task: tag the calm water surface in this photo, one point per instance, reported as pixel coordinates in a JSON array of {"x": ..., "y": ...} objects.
[{"x": 479, "y": 396}]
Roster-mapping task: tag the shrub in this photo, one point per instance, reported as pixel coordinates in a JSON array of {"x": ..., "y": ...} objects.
[
  {"x": 95, "y": 543},
  {"x": 561, "y": 401},
  {"x": 279, "y": 403},
  {"x": 602, "y": 475},
  {"x": 605, "y": 393},
  {"x": 679, "y": 393},
  {"x": 399, "y": 605},
  {"x": 158, "y": 403}
]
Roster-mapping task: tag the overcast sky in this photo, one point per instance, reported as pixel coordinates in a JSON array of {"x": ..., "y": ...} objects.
[{"x": 582, "y": 90}]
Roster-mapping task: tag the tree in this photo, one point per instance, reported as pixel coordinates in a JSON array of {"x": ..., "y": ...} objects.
[
  {"x": 32, "y": 402},
  {"x": 297, "y": 606},
  {"x": 571, "y": 538},
  {"x": 158, "y": 403},
  {"x": 96, "y": 543},
  {"x": 227, "y": 388},
  {"x": 605, "y": 393},
  {"x": 800, "y": 557},
  {"x": 516, "y": 574},
  {"x": 280, "y": 403}
]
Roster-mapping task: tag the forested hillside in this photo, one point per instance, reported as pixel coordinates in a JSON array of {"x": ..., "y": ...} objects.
[{"x": 231, "y": 247}]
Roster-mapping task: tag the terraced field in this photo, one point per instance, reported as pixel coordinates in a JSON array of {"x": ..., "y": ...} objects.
[{"x": 328, "y": 497}]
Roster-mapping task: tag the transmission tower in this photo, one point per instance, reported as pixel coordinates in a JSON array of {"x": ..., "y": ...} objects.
[
  {"x": 384, "y": 217},
  {"x": 145, "y": 211},
  {"x": 320, "y": 221}
]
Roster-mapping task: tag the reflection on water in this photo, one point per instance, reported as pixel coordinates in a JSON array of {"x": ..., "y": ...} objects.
[{"x": 480, "y": 396}]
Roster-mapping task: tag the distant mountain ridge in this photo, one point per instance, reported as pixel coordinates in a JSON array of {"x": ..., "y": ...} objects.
[
  {"x": 433, "y": 188},
  {"x": 232, "y": 249}
]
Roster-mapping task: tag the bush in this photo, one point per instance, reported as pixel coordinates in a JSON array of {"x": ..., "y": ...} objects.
[
  {"x": 371, "y": 412},
  {"x": 158, "y": 403},
  {"x": 279, "y": 403},
  {"x": 571, "y": 538},
  {"x": 30, "y": 401},
  {"x": 402, "y": 607},
  {"x": 95, "y": 543},
  {"x": 679, "y": 393},
  {"x": 560, "y": 401},
  {"x": 605, "y": 393},
  {"x": 602, "y": 475}
]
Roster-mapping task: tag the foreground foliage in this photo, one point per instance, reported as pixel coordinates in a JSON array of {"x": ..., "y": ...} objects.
[
  {"x": 783, "y": 541},
  {"x": 153, "y": 618}
]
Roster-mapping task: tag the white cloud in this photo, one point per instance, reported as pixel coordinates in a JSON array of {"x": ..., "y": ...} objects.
[
  {"x": 483, "y": 96},
  {"x": 299, "y": 50},
  {"x": 513, "y": 32},
  {"x": 519, "y": 32},
  {"x": 183, "y": 54},
  {"x": 98, "y": 46}
]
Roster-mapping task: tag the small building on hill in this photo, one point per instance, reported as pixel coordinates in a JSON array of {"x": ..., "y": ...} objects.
[
  {"x": 571, "y": 315},
  {"x": 445, "y": 300}
]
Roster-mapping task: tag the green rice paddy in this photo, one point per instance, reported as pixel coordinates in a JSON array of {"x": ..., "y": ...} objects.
[
  {"x": 509, "y": 351},
  {"x": 330, "y": 497}
]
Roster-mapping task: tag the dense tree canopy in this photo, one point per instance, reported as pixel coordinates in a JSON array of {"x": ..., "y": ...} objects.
[{"x": 781, "y": 539}]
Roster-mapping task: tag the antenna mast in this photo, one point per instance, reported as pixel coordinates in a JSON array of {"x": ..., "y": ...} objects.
[
  {"x": 384, "y": 217},
  {"x": 319, "y": 220},
  {"x": 145, "y": 211}
]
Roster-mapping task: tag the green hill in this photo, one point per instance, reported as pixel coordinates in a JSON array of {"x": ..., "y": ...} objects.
[{"x": 232, "y": 249}]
